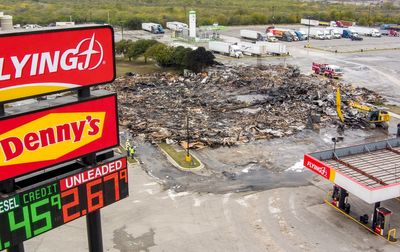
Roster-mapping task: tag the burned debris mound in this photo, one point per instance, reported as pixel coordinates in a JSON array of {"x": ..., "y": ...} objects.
[{"x": 229, "y": 105}]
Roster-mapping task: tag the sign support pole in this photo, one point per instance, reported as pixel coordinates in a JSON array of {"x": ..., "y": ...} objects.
[
  {"x": 93, "y": 219},
  {"x": 2, "y": 110},
  {"x": 8, "y": 186}
]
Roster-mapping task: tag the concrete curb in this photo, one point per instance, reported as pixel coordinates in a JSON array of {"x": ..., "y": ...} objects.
[{"x": 174, "y": 163}]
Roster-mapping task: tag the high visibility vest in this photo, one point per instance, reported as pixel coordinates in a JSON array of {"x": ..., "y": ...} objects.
[{"x": 132, "y": 151}]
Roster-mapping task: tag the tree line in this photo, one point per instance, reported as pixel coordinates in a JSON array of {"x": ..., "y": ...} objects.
[
  {"x": 131, "y": 13},
  {"x": 165, "y": 56}
]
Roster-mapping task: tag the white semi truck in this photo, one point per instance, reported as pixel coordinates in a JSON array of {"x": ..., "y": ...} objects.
[
  {"x": 153, "y": 28},
  {"x": 366, "y": 31},
  {"x": 335, "y": 33},
  {"x": 176, "y": 26},
  {"x": 225, "y": 48},
  {"x": 253, "y": 35},
  {"x": 314, "y": 33}
]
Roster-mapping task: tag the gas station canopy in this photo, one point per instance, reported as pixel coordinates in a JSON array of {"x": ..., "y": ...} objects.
[{"x": 369, "y": 171}]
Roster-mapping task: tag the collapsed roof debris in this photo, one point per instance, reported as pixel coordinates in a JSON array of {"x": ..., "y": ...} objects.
[{"x": 231, "y": 105}]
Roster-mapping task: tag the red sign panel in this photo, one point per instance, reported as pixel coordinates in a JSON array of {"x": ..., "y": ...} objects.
[
  {"x": 42, "y": 62},
  {"x": 318, "y": 167},
  {"x": 40, "y": 139}
]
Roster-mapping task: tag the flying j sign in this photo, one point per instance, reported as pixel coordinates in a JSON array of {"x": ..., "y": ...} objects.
[
  {"x": 39, "y": 139},
  {"x": 47, "y": 61}
]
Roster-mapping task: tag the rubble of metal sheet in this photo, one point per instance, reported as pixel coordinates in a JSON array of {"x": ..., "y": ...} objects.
[{"x": 231, "y": 105}]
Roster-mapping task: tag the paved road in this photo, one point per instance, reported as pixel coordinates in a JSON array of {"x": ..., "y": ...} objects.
[{"x": 154, "y": 219}]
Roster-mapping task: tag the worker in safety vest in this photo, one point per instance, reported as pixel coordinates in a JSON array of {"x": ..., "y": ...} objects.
[
  {"x": 127, "y": 147},
  {"x": 131, "y": 152}
]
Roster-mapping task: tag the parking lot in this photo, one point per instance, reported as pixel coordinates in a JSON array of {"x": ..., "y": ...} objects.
[{"x": 273, "y": 204}]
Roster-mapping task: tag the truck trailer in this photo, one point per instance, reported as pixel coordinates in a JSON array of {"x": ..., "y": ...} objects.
[
  {"x": 176, "y": 26},
  {"x": 153, "y": 28},
  {"x": 366, "y": 31},
  {"x": 314, "y": 33},
  {"x": 335, "y": 33},
  {"x": 225, "y": 48},
  {"x": 253, "y": 35},
  {"x": 281, "y": 34},
  {"x": 274, "y": 48},
  {"x": 309, "y": 22},
  {"x": 252, "y": 49},
  {"x": 351, "y": 34},
  {"x": 343, "y": 23}
]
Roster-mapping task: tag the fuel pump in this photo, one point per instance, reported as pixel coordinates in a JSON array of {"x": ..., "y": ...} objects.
[
  {"x": 340, "y": 199},
  {"x": 381, "y": 223}
]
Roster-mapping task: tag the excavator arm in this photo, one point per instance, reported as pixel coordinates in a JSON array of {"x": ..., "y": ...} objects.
[{"x": 339, "y": 105}]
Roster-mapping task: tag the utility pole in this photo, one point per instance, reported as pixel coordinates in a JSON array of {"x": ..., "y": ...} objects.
[
  {"x": 273, "y": 14},
  {"x": 369, "y": 14}
]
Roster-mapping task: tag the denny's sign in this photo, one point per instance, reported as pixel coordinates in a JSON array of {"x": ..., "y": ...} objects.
[
  {"x": 48, "y": 61},
  {"x": 40, "y": 139}
]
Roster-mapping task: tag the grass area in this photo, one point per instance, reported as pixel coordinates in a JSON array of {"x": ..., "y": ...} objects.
[
  {"x": 124, "y": 66},
  {"x": 179, "y": 156}
]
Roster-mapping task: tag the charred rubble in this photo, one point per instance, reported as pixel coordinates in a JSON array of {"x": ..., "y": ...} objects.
[{"x": 230, "y": 105}]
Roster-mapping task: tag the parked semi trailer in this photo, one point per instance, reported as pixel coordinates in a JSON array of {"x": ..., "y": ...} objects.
[
  {"x": 176, "y": 26},
  {"x": 334, "y": 32},
  {"x": 274, "y": 48},
  {"x": 314, "y": 33},
  {"x": 366, "y": 31},
  {"x": 253, "y": 35},
  {"x": 252, "y": 49},
  {"x": 281, "y": 34},
  {"x": 351, "y": 34},
  {"x": 309, "y": 22},
  {"x": 153, "y": 28},
  {"x": 225, "y": 48}
]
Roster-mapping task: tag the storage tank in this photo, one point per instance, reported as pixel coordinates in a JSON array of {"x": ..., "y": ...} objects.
[
  {"x": 6, "y": 23},
  {"x": 192, "y": 24}
]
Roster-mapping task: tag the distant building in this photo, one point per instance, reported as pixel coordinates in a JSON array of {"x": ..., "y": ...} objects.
[{"x": 6, "y": 22}]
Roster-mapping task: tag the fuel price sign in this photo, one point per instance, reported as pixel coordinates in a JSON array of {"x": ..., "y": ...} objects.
[{"x": 31, "y": 212}]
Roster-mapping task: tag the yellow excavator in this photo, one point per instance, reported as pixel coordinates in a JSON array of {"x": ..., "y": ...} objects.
[{"x": 378, "y": 117}]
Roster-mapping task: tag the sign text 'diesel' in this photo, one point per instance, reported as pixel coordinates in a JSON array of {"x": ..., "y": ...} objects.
[
  {"x": 48, "y": 61},
  {"x": 39, "y": 139}
]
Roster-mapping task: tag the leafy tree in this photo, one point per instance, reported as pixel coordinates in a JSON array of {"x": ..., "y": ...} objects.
[
  {"x": 122, "y": 46},
  {"x": 139, "y": 47},
  {"x": 179, "y": 54},
  {"x": 161, "y": 53},
  {"x": 198, "y": 59}
]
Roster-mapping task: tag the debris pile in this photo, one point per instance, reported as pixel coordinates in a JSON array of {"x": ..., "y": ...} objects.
[{"x": 229, "y": 105}]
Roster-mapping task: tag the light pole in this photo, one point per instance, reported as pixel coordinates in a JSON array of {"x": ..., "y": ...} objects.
[
  {"x": 336, "y": 140},
  {"x": 188, "y": 158},
  {"x": 308, "y": 33}
]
